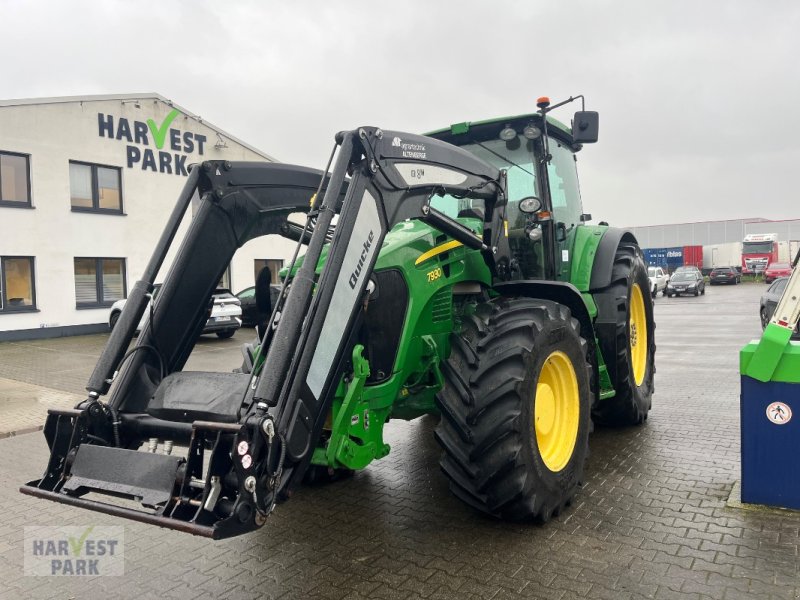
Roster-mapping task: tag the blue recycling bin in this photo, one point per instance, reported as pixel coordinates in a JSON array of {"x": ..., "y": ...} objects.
[{"x": 770, "y": 430}]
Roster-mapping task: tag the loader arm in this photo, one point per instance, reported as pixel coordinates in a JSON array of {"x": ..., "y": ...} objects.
[{"x": 250, "y": 437}]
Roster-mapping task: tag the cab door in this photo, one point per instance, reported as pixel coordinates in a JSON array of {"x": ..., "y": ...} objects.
[{"x": 565, "y": 197}]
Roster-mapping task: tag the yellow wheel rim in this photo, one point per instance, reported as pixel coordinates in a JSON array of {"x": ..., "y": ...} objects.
[
  {"x": 556, "y": 411},
  {"x": 637, "y": 326}
]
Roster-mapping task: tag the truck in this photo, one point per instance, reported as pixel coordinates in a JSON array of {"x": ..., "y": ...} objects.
[
  {"x": 787, "y": 250},
  {"x": 722, "y": 255},
  {"x": 759, "y": 250},
  {"x": 673, "y": 257},
  {"x": 452, "y": 274}
]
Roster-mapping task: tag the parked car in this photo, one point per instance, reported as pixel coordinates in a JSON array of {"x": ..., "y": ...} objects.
[
  {"x": 250, "y": 314},
  {"x": 658, "y": 280},
  {"x": 225, "y": 316},
  {"x": 769, "y": 301},
  {"x": 686, "y": 282},
  {"x": 724, "y": 275},
  {"x": 688, "y": 269},
  {"x": 775, "y": 270}
]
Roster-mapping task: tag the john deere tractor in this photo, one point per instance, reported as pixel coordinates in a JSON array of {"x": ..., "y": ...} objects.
[{"x": 451, "y": 274}]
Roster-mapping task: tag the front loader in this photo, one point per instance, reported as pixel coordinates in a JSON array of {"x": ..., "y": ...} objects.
[{"x": 449, "y": 274}]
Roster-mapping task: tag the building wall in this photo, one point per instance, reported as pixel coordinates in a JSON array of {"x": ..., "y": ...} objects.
[
  {"x": 55, "y": 133},
  {"x": 713, "y": 232}
]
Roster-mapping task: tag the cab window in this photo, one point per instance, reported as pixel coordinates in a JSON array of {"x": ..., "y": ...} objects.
[{"x": 564, "y": 190}]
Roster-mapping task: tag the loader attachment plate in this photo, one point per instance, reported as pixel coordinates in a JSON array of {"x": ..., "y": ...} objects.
[
  {"x": 199, "y": 489},
  {"x": 144, "y": 476}
]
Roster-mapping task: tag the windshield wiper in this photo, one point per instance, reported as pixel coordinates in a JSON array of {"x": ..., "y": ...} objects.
[{"x": 508, "y": 160}]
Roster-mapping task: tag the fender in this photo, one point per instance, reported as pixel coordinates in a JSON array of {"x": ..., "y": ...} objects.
[{"x": 604, "y": 256}]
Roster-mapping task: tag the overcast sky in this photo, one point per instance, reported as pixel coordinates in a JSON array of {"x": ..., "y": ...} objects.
[{"x": 698, "y": 101}]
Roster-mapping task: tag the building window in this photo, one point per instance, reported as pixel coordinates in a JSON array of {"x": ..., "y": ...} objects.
[
  {"x": 95, "y": 188},
  {"x": 17, "y": 288},
  {"x": 274, "y": 264},
  {"x": 99, "y": 281},
  {"x": 15, "y": 180},
  {"x": 225, "y": 281}
]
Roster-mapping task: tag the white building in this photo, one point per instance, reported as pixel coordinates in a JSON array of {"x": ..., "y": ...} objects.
[{"x": 86, "y": 186}]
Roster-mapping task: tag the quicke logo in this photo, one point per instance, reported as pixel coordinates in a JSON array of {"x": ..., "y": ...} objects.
[{"x": 362, "y": 259}]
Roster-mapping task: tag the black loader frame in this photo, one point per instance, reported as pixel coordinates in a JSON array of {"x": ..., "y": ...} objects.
[{"x": 251, "y": 436}]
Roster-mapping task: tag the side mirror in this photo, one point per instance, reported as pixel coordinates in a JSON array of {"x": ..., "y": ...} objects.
[{"x": 585, "y": 127}]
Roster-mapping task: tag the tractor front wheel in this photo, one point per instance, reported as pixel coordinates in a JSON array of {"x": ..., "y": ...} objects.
[
  {"x": 516, "y": 409},
  {"x": 629, "y": 344}
]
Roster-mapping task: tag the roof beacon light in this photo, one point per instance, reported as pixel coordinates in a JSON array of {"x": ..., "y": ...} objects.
[{"x": 543, "y": 102}]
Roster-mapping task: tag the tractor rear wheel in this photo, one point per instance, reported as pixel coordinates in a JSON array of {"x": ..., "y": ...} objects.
[
  {"x": 516, "y": 409},
  {"x": 632, "y": 346}
]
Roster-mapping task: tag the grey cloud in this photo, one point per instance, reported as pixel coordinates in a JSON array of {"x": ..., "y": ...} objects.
[{"x": 697, "y": 100}]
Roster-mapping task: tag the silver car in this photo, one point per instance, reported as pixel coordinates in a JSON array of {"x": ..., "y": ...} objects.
[{"x": 225, "y": 319}]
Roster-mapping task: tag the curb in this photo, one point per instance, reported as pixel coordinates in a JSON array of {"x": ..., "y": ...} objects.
[{"x": 23, "y": 431}]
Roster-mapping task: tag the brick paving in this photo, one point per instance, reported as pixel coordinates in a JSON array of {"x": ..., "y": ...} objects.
[
  {"x": 650, "y": 522},
  {"x": 23, "y": 406},
  {"x": 38, "y": 374}
]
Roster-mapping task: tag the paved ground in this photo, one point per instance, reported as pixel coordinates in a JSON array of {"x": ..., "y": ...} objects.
[
  {"x": 650, "y": 522},
  {"x": 40, "y": 374}
]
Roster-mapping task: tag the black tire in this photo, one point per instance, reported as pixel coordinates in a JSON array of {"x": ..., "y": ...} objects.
[
  {"x": 224, "y": 335},
  {"x": 488, "y": 430},
  {"x": 112, "y": 322},
  {"x": 633, "y": 399}
]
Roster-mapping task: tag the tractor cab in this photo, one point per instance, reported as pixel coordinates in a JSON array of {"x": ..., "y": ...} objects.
[{"x": 537, "y": 153}]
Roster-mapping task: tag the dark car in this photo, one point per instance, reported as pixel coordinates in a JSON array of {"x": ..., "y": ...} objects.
[
  {"x": 250, "y": 314},
  {"x": 687, "y": 268},
  {"x": 686, "y": 282},
  {"x": 724, "y": 275},
  {"x": 769, "y": 301},
  {"x": 775, "y": 270}
]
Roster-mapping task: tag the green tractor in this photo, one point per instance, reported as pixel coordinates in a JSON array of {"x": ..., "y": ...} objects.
[{"x": 451, "y": 274}]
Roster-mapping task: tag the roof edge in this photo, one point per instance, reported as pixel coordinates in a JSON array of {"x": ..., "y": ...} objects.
[{"x": 126, "y": 97}]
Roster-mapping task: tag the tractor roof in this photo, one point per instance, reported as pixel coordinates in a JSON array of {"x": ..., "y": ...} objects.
[{"x": 464, "y": 127}]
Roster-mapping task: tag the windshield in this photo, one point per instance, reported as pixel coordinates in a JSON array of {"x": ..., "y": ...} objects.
[
  {"x": 684, "y": 277},
  {"x": 757, "y": 247},
  {"x": 651, "y": 271},
  {"x": 517, "y": 159},
  {"x": 778, "y": 286}
]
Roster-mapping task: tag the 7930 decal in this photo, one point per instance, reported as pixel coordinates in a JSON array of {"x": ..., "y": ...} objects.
[{"x": 435, "y": 274}]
